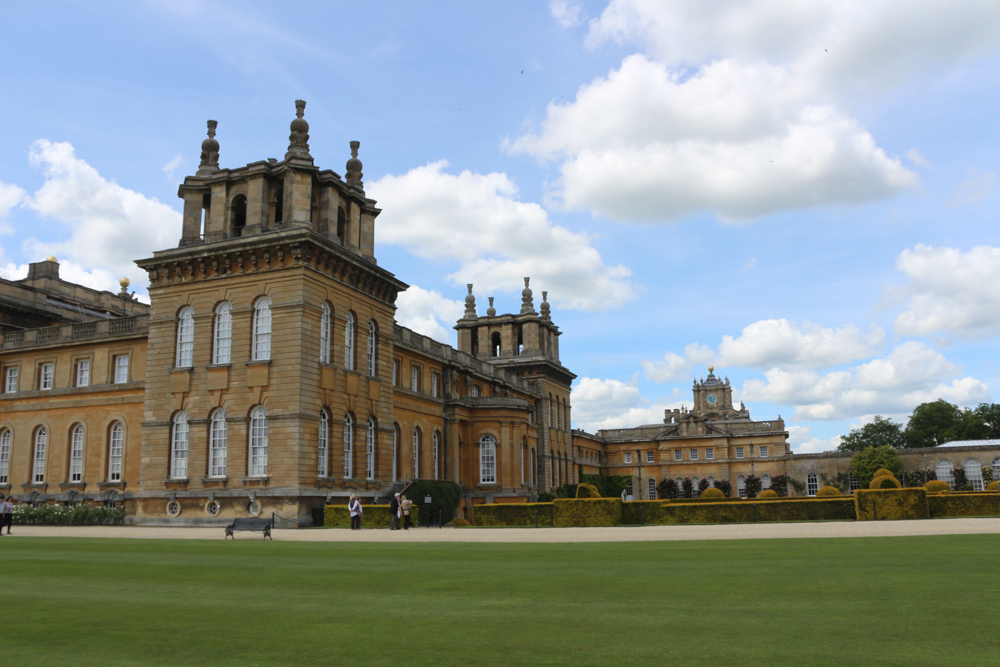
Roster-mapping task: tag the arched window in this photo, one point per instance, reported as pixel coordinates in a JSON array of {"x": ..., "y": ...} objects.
[
  {"x": 223, "y": 338},
  {"x": 395, "y": 452},
  {"x": 38, "y": 463},
  {"x": 116, "y": 451},
  {"x": 974, "y": 474},
  {"x": 629, "y": 493},
  {"x": 349, "y": 342},
  {"x": 765, "y": 482},
  {"x": 370, "y": 450},
  {"x": 533, "y": 463},
  {"x": 651, "y": 489},
  {"x": 262, "y": 329},
  {"x": 324, "y": 334},
  {"x": 322, "y": 445},
  {"x": 944, "y": 469},
  {"x": 76, "y": 454},
  {"x": 342, "y": 225},
  {"x": 495, "y": 344},
  {"x": 996, "y": 468},
  {"x": 185, "y": 338},
  {"x": 695, "y": 490},
  {"x": 238, "y": 215},
  {"x": 258, "y": 442},
  {"x": 437, "y": 447},
  {"x": 218, "y": 443},
  {"x": 5, "y": 440},
  {"x": 741, "y": 486},
  {"x": 487, "y": 459},
  {"x": 372, "y": 347},
  {"x": 680, "y": 487},
  {"x": 812, "y": 484},
  {"x": 179, "y": 446},
  {"x": 416, "y": 452},
  {"x": 348, "y": 446}
]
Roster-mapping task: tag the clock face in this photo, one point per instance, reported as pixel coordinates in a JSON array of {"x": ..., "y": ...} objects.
[{"x": 712, "y": 399}]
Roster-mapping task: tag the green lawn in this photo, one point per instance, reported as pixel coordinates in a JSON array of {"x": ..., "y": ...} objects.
[{"x": 865, "y": 601}]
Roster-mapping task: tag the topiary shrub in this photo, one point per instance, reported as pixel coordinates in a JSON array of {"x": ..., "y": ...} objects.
[
  {"x": 992, "y": 486},
  {"x": 882, "y": 472},
  {"x": 767, "y": 494},
  {"x": 546, "y": 497},
  {"x": 459, "y": 522},
  {"x": 937, "y": 486},
  {"x": 712, "y": 493},
  {"x": 884, "y": 482},
  {"x": 587, "y": 491},
  {"x": 833, "y": 492}
]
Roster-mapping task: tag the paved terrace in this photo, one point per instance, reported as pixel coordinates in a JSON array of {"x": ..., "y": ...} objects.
[{"x": 760, "y": 531}]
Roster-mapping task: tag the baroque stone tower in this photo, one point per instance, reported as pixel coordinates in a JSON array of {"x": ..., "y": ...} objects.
[{"x": 271, "y": 324}]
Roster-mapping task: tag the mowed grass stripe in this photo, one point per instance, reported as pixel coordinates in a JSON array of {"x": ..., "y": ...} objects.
[{"x": 873, "y": 601}]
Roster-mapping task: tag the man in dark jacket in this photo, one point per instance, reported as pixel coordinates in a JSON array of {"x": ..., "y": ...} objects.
[{"x": 394, "y": 511}]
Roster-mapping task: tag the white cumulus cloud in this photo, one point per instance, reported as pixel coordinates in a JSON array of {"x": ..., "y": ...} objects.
[
  {"x": 568, "y": 13},
  {"x": 601, "y": 404},
  {"x": 950, "y": 291},
  {"x": 10, "y": 196},
  {"x": 477, "y": 221},
  {"x": 428, "y": 313}
]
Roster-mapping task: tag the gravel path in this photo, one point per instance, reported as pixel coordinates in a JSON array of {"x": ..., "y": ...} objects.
[{"x": 618, "y": 534}]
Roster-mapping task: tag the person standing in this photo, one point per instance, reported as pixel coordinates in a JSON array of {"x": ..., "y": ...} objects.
[
  {"x": 404, "y": 507},
  {"x": 8, "y": 513},
  {"x": 354, "y": 505},
  {"x": 394, "y": 511}
]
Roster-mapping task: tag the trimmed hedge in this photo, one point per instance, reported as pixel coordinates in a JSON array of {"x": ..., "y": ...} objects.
[
  {"x": 937, "y": 486},
  {"x": 372, "y": 516},
  {"x": 963, "y": 504},
  {"x": 512, "y": 514},
  {"x": 57, "y": 515},
  {"x": 587, "y": 491},
  {"x": 587, "y": 512},
  {"x": 882, "y": 472},
  {"x": 644, "y": 512},
  {"x": 992, "y": 486},
  {"x": 459, "y": 522},
  {"x": 768, "y": 494},
  {"x": 829, "y": 492},
  {"x": 890, "y": 504},
  {"x": 714, "y": 493},
  {"x": 885, "y": 482},
  {"x": 783, "y": 509}
]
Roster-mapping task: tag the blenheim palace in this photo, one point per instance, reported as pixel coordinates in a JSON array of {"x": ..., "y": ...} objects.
[{"x": 268, "y": 375}]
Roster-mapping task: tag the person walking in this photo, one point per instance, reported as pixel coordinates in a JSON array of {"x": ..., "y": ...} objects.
[
  {"x": 404, "y": 507},
  {"x": 7, "y": 518},
  {"x": 394, "y": 511},
  {"x": 354, "y": 505}
]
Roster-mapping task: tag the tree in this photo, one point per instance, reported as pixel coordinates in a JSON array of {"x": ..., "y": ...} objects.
[
  {"x": 866, "y": 462},
  {"x": 879, "y": 432},
  {"x": 932, "y": 424},
  {"x": 981, "y": 423}
]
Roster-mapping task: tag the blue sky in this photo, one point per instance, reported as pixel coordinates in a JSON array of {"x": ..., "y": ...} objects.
[{"x": 800, "y": 193}]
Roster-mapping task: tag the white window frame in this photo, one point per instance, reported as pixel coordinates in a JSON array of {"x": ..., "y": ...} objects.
[
  {"x": 185, "y": 338},
  {"x": 121, "y": 368},
  {"x": 348, "y": 446},
  {"x": 222, "y": 335},
  {"x": 416, "y": 452},
  {"x": 179, "y": 446},
  {"x": 414, "y": 378},
  {"x": 679, "y": 483},
  {"x": 996, "y": 468},
  {"x": 741, "y": 486},
  {"x": 709, "y": 453},
  {"x": 629, "y": 491},
  {"x": 763, "y": 451},
  {"x": 218, "y": 444},
  {"x": 38, "y": 460},
  {"x": 739, "y": 453},
  {"x": 324, "y": 334},
  {"x": 76, "y": 454},
  {"x": 765, "y": 482},
  {"x": 395, "y": 452},
  {"x": 437, "y": 447},
  {"x": 627, "y": 457},
  {"x": 487, "y": 459},
  {"x": 6, "y": 437},
  {"x": 116, "y": 452},
  {"x": 370, "y": 450},
  {"x": 650, "y": 489},
  {"x": 372, "y": 349},
  {"x": 83, "y": 373},
  {"x": 475, "y": 394},
  {"x": 46, "y": 376},
  {"x": 650, "y": 457},
  {"x": 854, "y": 482},
  {"x": 323, "y": 445},
  {"x": 945, "y": 471},
  {"x": 695, "y": 491},
  {"x": 349, "y": 342},
  {"x": 257, "y": 458},
  {"x": 261, "y": 329},
  {"x": 975, "y": 479},
  {"x": 435, "y": 385},
  {"x": 812, "y": 484},
  {"x": 10, "y": 380},
  {"x": 678, "y": 455},
  {"x": 692, "y": 454}
]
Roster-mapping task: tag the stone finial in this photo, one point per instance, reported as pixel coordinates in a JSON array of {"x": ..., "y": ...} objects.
[
  {"x": 491, "y": 311},
  {"x": 298, "y": 140},
  {"x": 470, "y": 305},
  {"x": 210, "y": 149},
  {"x": 527, "y": 308},
  {"x": 353, "y": 175},
  {"x": 545, "y": 308}
]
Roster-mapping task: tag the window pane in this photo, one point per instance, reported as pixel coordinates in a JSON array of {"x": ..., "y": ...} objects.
[
  {"x": 116, "y": 449},
  {"x": 185, "y": 338},
  {"x": 218, "y": 445},
  {"x": 348, "y": 447},
  {"x": 5, "y": 440},
  {"x": 121, "y": 369},
  {"x": 370, "y": 451},
  {"x": 179, "y": 447},
  {"x": 223, "y": 334},
  {"x": 322, "y": 440},
  {"x": 258, "y": 442},
  {"x": 262, "y": 329},
  {"x": 487, "y": 460},
  {"x": 38, "y": 467}
]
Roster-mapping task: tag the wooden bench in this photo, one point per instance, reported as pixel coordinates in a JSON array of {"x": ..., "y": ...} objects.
[{"x": 257, "y": 525}]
